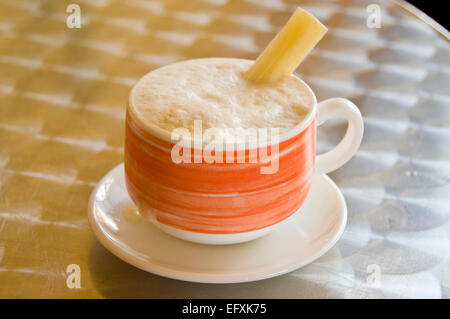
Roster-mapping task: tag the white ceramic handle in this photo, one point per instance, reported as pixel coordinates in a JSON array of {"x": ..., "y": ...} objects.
[{"x": 348, "y": 146}]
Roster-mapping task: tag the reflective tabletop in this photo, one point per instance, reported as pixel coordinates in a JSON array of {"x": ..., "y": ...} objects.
[{"x": 63, "y": 92}]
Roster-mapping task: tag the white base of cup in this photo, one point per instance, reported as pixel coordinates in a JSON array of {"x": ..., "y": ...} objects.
[{"x": 217, "y": 239}]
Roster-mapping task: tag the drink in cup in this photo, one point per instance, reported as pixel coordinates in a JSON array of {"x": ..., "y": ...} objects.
[{"x": 220, "y": 150}]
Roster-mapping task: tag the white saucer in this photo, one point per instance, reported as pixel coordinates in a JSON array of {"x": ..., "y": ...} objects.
[{"x": 301, "y": 239}]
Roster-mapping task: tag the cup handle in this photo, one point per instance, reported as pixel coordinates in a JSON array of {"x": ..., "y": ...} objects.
[{"x": 348, "y": 146}]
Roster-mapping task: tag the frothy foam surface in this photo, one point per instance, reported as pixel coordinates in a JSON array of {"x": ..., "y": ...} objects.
[{"x": 214, "y": 91}]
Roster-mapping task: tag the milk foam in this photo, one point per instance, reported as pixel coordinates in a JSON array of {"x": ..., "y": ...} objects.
[{"x": 214, "y": 91}]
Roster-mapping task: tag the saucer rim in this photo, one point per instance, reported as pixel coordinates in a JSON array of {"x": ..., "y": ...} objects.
[{"x": 206, "y": 277}]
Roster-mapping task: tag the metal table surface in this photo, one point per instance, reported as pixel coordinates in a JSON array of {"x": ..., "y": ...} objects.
[{"x": 62, "y": 99}]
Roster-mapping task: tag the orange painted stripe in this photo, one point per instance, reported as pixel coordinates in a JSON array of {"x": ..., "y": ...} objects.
[{"x": 216, "y": 197}]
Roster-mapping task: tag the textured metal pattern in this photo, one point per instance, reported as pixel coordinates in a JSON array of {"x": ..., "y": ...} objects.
[{"x": 62, "y": 101}]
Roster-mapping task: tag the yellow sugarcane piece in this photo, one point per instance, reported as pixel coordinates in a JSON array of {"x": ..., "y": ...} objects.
[{"x": 288, "y": 49}]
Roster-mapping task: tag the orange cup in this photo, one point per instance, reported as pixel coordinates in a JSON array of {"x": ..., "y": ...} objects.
[{"x": 232, "y": 198}]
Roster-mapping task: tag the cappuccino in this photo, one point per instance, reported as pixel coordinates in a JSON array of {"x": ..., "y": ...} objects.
[{"x": 214, "y": 91}]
